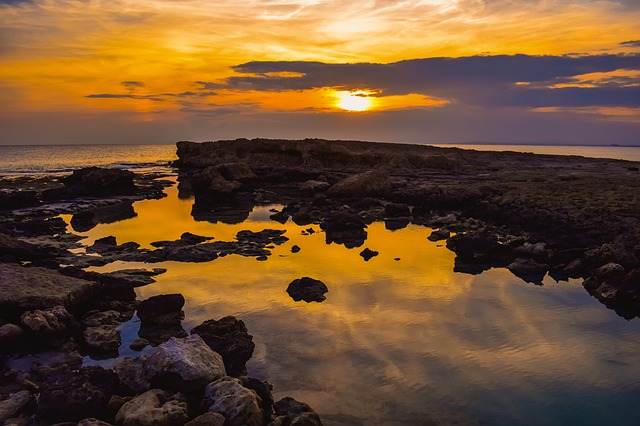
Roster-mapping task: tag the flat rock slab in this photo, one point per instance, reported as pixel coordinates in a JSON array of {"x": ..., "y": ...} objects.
[{"x": 23, "y": 289}]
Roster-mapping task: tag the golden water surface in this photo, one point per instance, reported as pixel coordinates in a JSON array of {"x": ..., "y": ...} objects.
[{"x": 401, "y": 339}]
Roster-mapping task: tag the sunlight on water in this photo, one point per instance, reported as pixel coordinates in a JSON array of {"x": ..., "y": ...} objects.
[{"x": 402, "y": 341}]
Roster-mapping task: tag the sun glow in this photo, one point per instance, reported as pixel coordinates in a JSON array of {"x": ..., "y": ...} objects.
[{"x": 357, "y": 101}]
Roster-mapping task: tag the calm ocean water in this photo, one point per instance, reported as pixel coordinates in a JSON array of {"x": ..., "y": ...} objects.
[{"x": 46, "y": 159}]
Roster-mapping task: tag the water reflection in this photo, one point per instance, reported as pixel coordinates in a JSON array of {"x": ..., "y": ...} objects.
[{"x": 402, "y": 341}]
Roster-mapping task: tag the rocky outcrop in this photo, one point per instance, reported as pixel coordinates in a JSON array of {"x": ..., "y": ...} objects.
[
  {"x": 291, "y": 412},
  {"x": 100, "y": 181},
  {"x": 228, "y": 336},
  {"x": 307, "y": 289},
  {"x": 344, "y": 228}
]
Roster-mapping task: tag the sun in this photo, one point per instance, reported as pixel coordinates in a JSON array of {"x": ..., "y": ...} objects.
[{"x": 359, "y": 100}]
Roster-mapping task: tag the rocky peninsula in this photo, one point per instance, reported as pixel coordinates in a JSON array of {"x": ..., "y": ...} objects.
[{"x": 568, "y": 217}]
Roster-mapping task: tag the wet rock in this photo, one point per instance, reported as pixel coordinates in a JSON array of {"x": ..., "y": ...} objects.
[
  {"x": 161, "y": 318},
  {"x": 280, "y": 217},
  {"x": 295, "y": 248},
  {"x": 162, "y": 309},
  {"x": 183, "y": 365},
  {"x": 528, "y": 270},
  {"x": 70, "y": 396},
  {"x": 154, "y": 407},
  {"x": 186, "y": 239},
  {"x": 100, "y": 181},
  {"x": 393, "y": 224},
  {"x": 291, "y": 412},
  {"x": 439, "y": 235},
  {"x": 307, "y": 289},
  {"x": 49, "y": 327},
  {"x": 228, "y": 336},
  {"x": 367, "y": 254},
  {"x": 537, "y": 251},
  {"x": 15, "y": 405},
  {"x": 263, "y": 390},
  {"x": 237, "y": 404},
  {"x": 371, "y": 183},
  {"x": 207, "y": 419},
  {"x": 101, "y": 332},
  {"x": 344, "y": 228},
  {"x": 108, "y": 245},
  {"x": 87, "y": 219},
  {"x": 264, "y": 237},
  {"x": 132, "y": 373},
  {"x": 131, "y": 277}
]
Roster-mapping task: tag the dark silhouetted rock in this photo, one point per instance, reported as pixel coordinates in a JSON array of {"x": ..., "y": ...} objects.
[
  {"x": 291, "y": 412},
  {"x": 228, "y": 336},
  {"x": 396, "y": 210},
  {"x": 307, "y": 289},
  {"x": 478, "y": 252},
  {"x": 295, "y": 248},
  {"x": 528, "y": 270},
  {"x": 13, "y": 339},
  {"x": 161, "y": 309},
  {"x": 99, "y": 181},
  {"x": 210, "y": 182},
  {"x": 344, "y": 228},
  {"x": 367, "y": 254},
  {"x": 439, "y": 235},
  {"x": 18, "y": 199},
  {"x": 73, "y": 395},
  {"x": 85, "y": 220}
]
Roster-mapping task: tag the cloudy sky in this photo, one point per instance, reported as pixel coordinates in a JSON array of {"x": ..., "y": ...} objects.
[{"x": 420, "y": 71}]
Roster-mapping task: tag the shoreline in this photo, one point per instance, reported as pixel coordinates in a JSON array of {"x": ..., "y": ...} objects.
[{"x": 532, "y": 214}]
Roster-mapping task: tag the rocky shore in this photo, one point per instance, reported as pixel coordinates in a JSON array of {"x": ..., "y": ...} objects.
[{"x": 568, "y": 217}]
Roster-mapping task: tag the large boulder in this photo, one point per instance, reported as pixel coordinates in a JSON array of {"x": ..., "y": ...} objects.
[
  {"x": 239, "y": 406},
  {"x": 183, "y": 364},
  {"x": 371, "y": 183},
  {"x": 154, "y": 407},
  {"x": 228, "y": 336},
  {"x": 210, "y": 182},
  {"x": 23, "y": 289},
  {"x": 307, "y": 289},
  {"x": 161, "y": 309},
  {"x": 161, "y": 318}
]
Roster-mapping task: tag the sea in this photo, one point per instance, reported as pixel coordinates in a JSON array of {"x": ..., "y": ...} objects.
[
  {"x": 57, "y": 159},
  {"x": 401, "y": 339}
]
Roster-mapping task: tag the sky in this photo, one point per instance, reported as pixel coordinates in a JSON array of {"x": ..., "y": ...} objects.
[{"x": 415, "y": 71}]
